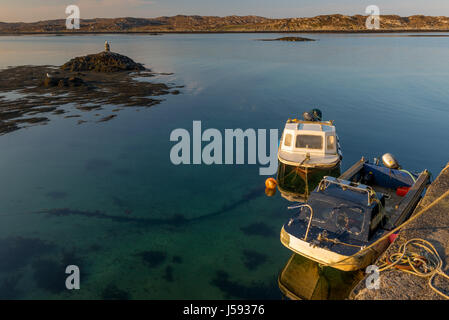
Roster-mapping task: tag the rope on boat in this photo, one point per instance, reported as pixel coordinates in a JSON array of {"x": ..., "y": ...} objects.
[
  {"x": 413, "y": 218},
  {"x": 322, "y": 237},
  {"x": 307, "y": 158},
  {"x": 411, "y": 175}
]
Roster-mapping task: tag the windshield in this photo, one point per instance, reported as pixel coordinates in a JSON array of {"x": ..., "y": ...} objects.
[
  {"x": 336, "y": 217},
  {"x": 309, "y": 141}
]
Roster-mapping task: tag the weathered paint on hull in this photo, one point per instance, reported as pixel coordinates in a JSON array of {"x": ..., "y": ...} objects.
[
  {"x": 305, "y": 166},
  {"x": 333, "y": 259}
]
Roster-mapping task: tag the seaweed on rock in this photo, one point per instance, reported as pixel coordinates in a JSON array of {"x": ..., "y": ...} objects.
[{"x": 107, "y": 78}]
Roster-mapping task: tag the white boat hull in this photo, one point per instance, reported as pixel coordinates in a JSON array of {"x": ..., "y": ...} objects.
[{"x": 333, "y": 259}]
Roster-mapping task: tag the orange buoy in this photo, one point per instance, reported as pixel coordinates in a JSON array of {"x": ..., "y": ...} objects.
[{"x": 270, "y": 183}]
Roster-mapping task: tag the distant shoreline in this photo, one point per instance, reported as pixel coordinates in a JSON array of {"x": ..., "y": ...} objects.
[
  {"x": 194, "y": 24},
  {"x": 77, "y": 33}
]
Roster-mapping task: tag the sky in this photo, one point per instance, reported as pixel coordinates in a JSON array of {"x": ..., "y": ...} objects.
[{"x": 35, "y": 10}]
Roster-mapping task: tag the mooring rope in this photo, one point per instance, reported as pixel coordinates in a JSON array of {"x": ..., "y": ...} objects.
[
  {"x": 413, "y": 218},
  {"x": 411, "y": 262}
]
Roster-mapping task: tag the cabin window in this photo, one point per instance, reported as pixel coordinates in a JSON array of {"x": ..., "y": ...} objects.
[
  {"x": 330, "y": 142},
  {"x": 309, "y": 141},
  {"x": 288, "y": 140}
]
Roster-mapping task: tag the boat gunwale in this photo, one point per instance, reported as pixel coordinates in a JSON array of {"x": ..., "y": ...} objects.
[
  {"x": 317, "y": 165},
  {"x": 411, "y": 201},
  {"x": 352, "y": 262}
]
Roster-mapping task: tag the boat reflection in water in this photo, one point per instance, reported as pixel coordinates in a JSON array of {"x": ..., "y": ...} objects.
[
  {"x": 302, "y": 278},
  {"x": 295, "y": 183}
]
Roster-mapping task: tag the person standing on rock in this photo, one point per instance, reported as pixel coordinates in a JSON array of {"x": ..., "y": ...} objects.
[{"x": 107, "y": 48}]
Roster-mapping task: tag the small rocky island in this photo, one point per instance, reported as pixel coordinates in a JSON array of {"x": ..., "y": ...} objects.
[
  {"x": 102, "y": 62},
  {"x": 82, "y": 84},
  {"x": 292, "y": 39}
]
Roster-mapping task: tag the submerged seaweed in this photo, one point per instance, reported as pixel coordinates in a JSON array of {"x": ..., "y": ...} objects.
[
  {"x": 253, "y": 259},
  {"x": 97, "y": 164},
  {"x": 235, "y": 290},
  {"x": 177, "y": 220},
  {"x": 95, "y": 247},
  {"x": 8, "y": 288},
  {"x": 258, "y": 229},
  {"x": 168, "y": 275},
  {"x": 122, "y": 172},
  {"x": 112, "y": 292},
  {"x": 153, "y": 259},
  {"x": 251, "y": 195},
  {"x": 118, "y": 202},
  {"x": 57, "y": 195},
  {"x": 49, "y": 275},
  {"x": 16, "y": 252},
  {"x": 70, "y": 257},
  {"x": 121, "y": 204},
  {"x": 177, "y": 259}
]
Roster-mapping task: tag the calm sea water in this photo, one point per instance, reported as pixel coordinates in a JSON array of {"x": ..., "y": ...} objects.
[{"x": 141, "y": 228}]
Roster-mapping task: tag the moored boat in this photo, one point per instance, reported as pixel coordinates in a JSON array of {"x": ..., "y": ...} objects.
[
  {"x": 310, "y": 143},
  {"x": 346, "y": 215},
  {"x": 309, "y": 149}
]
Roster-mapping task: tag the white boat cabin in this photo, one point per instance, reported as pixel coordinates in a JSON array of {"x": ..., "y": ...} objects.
[{"x": 309, "y": 144}]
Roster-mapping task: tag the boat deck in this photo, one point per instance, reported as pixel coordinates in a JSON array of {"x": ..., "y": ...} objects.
[
  {"x": 431, "y": 226},
  {"x": 391, "y": 200},
  {"x": 395, "y": 210}
]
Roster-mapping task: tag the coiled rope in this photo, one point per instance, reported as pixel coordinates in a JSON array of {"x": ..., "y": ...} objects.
[
  {"x": 427, "y": 266},
  {"x": 436, "y": 270}
]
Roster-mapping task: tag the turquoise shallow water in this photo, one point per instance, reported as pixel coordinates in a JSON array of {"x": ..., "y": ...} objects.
[{"x": 139, "y": 227}]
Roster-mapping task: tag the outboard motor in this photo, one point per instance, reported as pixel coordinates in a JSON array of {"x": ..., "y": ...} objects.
[
  {"x": 313, "y": 115},
  {"x": 390, "y": 161},
  {"x": 317, "y": 114},
  {"x": 308, "y": 116}
]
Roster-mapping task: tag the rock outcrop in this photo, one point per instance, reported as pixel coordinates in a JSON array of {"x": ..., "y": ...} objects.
[
  {"x": 293, "y": 39},
  {"x": 102, "y": 62},
  {"x": 63, "y": 82},
  {"x": 90, "y": 83}
]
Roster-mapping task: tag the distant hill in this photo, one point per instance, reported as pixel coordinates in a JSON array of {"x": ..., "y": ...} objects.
[{"x": 181, "y": 23}]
